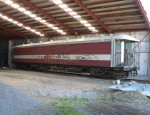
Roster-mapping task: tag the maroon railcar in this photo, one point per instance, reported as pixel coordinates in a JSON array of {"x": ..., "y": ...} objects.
[{"x": 98, "y": 56}]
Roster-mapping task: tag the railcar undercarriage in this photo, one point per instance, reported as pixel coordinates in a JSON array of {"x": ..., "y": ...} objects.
[
  {"x": 102, "y": 72},
  {"x": 116, "y": 72}
]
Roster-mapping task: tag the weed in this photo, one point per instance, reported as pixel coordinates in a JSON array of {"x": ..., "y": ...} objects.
[{"x": 66, "y": 106}]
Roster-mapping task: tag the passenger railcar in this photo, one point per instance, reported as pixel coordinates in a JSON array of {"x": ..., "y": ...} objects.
[{"x": 101, "y": 56}]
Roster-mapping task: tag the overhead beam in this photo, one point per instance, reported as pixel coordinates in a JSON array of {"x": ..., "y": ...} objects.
[
  {"x": 100, "y": 2},
  {"x": 93, "y": 15},
  {"x": 143, "y": 13},
  {"x": 49, "y": 16},
  {"x": 12, "y": 31}
]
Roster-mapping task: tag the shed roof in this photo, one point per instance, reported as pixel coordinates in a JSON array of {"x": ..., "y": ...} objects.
[{"x": 104, "y": 16}]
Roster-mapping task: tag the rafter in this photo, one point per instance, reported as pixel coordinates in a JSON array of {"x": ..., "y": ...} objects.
[
  {"x": 49, "y": 16},
  {"x": 93, "y": 15},
  {"x": 12, "y": 31},
  {"x": 100, "y": 2}
]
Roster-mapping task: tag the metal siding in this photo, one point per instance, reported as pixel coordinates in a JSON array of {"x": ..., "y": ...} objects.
[
  {"x": 143, "y": 64},
  {"x": 86, "y": 48}
]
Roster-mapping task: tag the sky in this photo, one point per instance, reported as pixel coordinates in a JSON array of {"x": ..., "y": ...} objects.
[{"x": 146, "y": 5}]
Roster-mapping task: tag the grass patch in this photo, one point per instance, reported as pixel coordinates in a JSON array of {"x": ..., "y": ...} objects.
[{"x": 66, "y": 106}]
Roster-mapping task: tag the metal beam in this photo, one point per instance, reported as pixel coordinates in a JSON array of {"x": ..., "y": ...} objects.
[
  {"x": 93, "y": 15},
  {"x": 143, "y": 13},
  {"x": 12, "y": 31},
  {"x": 49, "y": 16},
  {"x": 100, "y": 2}
]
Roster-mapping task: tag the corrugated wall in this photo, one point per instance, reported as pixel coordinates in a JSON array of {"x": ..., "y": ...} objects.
[{"x": 143, "y": 49}]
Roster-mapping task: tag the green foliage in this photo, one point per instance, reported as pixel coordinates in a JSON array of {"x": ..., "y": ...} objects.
[{"x": 66, "y": 106}]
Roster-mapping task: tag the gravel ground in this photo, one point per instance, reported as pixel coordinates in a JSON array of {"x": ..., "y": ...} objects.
[
  {"x": 12, "y": 100},
  {"x": 22, "y": 91}
]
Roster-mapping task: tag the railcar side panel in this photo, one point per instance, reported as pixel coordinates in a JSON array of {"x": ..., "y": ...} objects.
[{"x": 83, "y": 54}]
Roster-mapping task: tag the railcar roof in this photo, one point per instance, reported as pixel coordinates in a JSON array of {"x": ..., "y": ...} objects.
[{"x": 123, "y": 37}]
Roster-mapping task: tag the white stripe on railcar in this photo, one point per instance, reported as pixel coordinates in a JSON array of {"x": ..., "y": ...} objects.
[{"x": 104, "y": 57}]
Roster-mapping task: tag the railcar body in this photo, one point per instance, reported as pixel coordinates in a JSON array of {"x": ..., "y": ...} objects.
[{"x": 109, "y": 55}]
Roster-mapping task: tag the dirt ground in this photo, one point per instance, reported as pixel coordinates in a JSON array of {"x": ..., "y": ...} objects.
[{"x": 70, "y": 94}]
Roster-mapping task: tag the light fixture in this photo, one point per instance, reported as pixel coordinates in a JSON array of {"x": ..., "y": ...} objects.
[
  {"x": 77, "y": 16},
  {"x": 21, "y": 9},
  {"x": 68, "y": 9},
  {"x": 94, "y": 30},
  {"x": 87, "y": 25},
  {"x": 59, "y": 31},
  {"x": 54, "y": 28},
  {"x": 19, "y": 24},
  {"x": 15, "y": 22},
  {"x": 91, "y": 28},
  {"x": 57, "y": 2},
  {"x": 28, "y": 28},
  {"x": 38, "y": 18},
  {"x": 15, "y": 5},
  {"x": 63, "y": 6},
  {"x": 42, "y": 21},
  {"x": 49, "y": 25},
  {"x": 63, "y": 33},
  {"x": 83, "y": 21},
  {"x": 33, "y": 30},
  {"x": 72, "y": 13},
  {"x": 32, "y": 15},
  {"x": 4, "y": 17},
  {"x": 27, "y": 12},
  {"x": 10, "y": 20}
]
